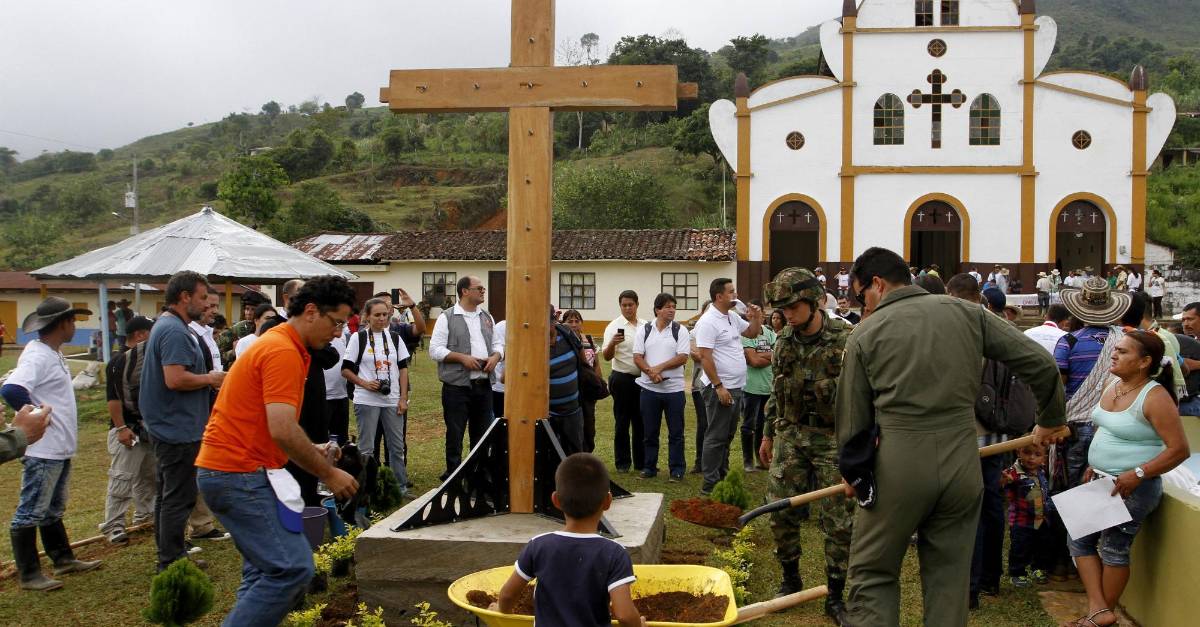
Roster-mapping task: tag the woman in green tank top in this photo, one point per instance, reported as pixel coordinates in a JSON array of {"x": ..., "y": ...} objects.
[{"x": 1139, "y": 437}]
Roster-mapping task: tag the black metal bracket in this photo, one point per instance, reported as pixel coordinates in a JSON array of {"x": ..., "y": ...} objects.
[{"x": 479, "y": 486}]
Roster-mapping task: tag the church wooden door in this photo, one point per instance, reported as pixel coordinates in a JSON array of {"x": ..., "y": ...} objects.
[
  {"x": 795, "y": 237},
  {"x": 1079, "y": 240},
  {"x": 936, "y": 238}
]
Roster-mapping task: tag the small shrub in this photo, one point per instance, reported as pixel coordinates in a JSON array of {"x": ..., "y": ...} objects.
[
  {"x": 179, "y": 595},
  {"x": 735, "y": 561},
  {"x": 732, "y": 490},
  {"x": 338, "y": 549},
  {"x": 386, "y": 497},
  {"x": 427, "y": 618},
  {"x": 367, "y": 618},
  {"x": 305, "y": 618}
]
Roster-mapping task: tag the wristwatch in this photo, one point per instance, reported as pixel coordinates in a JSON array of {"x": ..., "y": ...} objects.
[
  {"x": 718, "y": 385},
  {"x": 1140, "y": 472}
]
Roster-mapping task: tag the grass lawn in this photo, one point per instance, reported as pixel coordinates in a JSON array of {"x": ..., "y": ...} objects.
[{"x": 116, "y": 593}]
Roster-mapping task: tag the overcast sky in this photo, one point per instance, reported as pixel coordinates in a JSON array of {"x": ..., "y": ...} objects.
[{"x": 97, "y": 75}]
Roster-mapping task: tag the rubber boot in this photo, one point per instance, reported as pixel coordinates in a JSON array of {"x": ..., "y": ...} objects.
[
  {"x": 748, "y": 452},
  {"x": 791, "y": 583},
  {"x": 29, "y": 567},
  {"x": 58, "y": 549},
  {"x": 835, "y": 607}
]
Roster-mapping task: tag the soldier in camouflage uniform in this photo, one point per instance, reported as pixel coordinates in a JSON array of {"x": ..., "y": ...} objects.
[
  {"x": 228, "y": 339},
  {"x": 800, "y": 443}
]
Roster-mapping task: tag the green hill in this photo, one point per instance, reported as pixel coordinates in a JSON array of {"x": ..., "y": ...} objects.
[{"x": 1173, "y": 24}]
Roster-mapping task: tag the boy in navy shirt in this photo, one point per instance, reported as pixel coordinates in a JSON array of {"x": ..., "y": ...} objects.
[{"x": 580, "y": 573}]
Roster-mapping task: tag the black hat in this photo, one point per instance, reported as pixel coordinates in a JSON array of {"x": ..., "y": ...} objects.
[
  {"x": 856, "y": 461},
  {"x": 138, "y": 323},
  {"x": 48, "y": 312}
]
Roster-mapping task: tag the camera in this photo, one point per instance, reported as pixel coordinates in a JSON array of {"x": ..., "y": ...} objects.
[{"x": 385, "y": 388}]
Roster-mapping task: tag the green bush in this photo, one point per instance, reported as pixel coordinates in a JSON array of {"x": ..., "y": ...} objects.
[
  {"x": 179, "y": 595},
  {"x": 735, "y": 561},
  {"x": 732, "y": 490},
  {"x": 386, "y": 497}
]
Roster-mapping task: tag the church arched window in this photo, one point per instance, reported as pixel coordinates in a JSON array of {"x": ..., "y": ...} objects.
[
  {"x": 924, "y": 12},
  {"x": 985, "y": 121},
  {"x": 889, "y": 120}
]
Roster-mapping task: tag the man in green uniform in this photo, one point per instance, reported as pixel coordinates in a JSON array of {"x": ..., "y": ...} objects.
[
  {"x": 799, "y": 441},
  {"x": 228, "y": 339},
  {"x": 912, "y": 367}
]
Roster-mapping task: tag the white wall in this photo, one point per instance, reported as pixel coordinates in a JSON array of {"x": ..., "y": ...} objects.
[
  {"x": 899, "y": 13},
  {"x": 612, "y": 277}
]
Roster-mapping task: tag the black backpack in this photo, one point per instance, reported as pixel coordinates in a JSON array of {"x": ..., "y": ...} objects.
[
  {"x": 592, "y": 386},
  {"x": 674, "y": 330},
  {"x": 362, "y": 349},
  {"x": 1005, "y": 404},
  {"x": 131, "y": 378}
]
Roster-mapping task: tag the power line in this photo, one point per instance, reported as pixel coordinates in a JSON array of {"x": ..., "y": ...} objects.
[{"x": 49, "y": 139}]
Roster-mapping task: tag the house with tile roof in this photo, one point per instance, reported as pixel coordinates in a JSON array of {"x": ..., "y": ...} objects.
[{"x": 589, "y": 268}]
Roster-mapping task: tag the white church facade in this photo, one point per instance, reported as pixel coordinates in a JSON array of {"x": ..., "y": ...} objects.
[{"x": 937, "y": 133}]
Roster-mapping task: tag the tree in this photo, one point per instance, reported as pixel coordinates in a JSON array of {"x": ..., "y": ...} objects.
[
  {"x": 693, "y": 64},
  {"x": 591, "y": 45},
  {"x": 8, "y": 159},
  {"x": 306, "y": 154},
  {"x": 248, "y": 189},
  {"x": 355, "y": 101},
  {"x": 691, "y": 135},
  {"x": 32, "y": 240},
  {"x": 396, "y": 140},
  {"x": 105, "y": 154},
  {"x": 608, "y": 197},
  {"x": 347, "y": 155},
  {"x": 750, "y": 55},
  {"x": 272, "y": 110},
  {"x": 316, "y": 207},
  {"x": 309, "y": 107}
]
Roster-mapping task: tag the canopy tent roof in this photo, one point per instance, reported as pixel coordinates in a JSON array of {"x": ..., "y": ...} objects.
[{"x": 206, "y": 242}]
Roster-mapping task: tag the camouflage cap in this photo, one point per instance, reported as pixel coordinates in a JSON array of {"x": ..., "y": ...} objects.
[{"x": 793, "y": 285}]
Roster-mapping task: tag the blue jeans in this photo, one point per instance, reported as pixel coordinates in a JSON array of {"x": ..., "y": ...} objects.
[
  {"x": 653, "y": 405},
  {"x": 276, "y": 563},
  {"x": 1077, "y": 451},
  {"x": 1113, "y": 544},
  {"x": 43, "y": 492},
  {"x": 1190, "y": 407},
  {"x": 370, "y": 417}
]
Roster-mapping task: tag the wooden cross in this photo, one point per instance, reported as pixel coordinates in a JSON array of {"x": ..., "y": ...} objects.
[
  {"x": 955, "y": 99},
  {"x": 529, "y": 90}
]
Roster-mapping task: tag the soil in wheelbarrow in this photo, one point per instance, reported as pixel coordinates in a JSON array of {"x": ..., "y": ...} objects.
[
  {"x": 706, "y": 513},
  {"x": 674, "y": 607},
  {"x": 482, "y": 599},
  {"x": 682, "y": 607}
]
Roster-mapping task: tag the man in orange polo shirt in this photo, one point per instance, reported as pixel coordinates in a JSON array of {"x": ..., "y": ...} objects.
[{"x": 252, "y": 433}]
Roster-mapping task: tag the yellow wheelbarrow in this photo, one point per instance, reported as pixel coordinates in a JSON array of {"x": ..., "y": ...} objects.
[{"x": 651, "y": 579}]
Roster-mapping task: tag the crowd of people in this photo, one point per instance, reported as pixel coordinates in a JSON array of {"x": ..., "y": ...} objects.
[{"x": 819, "y": 390}]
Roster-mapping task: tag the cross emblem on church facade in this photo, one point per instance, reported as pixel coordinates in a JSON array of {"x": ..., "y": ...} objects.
[
  {"x": 936, "y": 98},
  {"x": 529, "y": 90}
]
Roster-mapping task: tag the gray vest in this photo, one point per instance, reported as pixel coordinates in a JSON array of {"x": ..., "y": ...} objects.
[{"x": 458, "y": 340}]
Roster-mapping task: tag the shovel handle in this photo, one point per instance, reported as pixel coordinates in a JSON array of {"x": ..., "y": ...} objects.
[
  {"x": 758, "y": 610},
  {"x": 834, "y": 490}
]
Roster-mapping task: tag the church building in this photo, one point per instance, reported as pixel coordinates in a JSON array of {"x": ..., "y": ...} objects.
[{"x": 934, "y": 131}]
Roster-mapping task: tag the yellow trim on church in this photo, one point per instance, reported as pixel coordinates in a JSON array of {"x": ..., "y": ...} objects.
[
  {"x": 742, "y": 177},
  {"x": 965, "y": 243},
  {"x": 822, "y": 232},
  {"x": 1029, "y": 175},
  {"x": 1110, "y": 232},
  {"x": 1139, "y": 174},
  {"x": 849, "y": 25}
]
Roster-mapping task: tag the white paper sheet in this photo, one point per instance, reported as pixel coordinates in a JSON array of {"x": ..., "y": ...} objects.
[{"x": 1091, "y": 507}]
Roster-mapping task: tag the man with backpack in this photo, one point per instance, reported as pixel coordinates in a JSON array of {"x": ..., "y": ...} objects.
[
  {"x": 660, "y": 350},
  {"x": 131, "y": 473}
]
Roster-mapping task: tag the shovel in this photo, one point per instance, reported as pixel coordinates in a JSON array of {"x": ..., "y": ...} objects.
[
  {"x": 750, "y": 612},
  {"x": 834, "y": 490}
]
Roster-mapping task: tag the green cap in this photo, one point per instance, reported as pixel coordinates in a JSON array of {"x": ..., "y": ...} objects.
[{"x": 794, "y": 285}]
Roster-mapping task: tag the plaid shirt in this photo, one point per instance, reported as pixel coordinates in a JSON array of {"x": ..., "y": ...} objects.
[{"x": 1026, "y": 495}]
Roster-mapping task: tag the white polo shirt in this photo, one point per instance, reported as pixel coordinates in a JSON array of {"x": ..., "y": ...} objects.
[
  {"x": 659, "y": 347},
  {"x": 622, "y": 360},
  {"x": 1047, "y": 335},
  {"x": 723, "y": 334}
]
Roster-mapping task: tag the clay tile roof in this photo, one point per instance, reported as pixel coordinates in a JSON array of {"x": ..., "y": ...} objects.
[
  {"x": 344, "y": 247},
  {"x": 590, "y": 245}
]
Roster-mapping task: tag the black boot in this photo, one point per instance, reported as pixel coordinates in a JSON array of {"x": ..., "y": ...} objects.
[
  {"x": 835, "y": 607},
  {"x": 25, "y": 554},
  {"x": 58, "y": 549},
  {"x": 748, "y": 453},
  {"x": 791, "y": 583}
]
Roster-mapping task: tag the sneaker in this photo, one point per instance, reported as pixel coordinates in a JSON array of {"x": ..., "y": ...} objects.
[
  {"x": 118, "y": 538},
  {"x": 213, "y": 534},
  {"x": 648, "y": 474},
  {"x": 706, "y": 490},
  {"x": 191, "y": 548},
  {"x": 749, "y": 468},
  {"x": 1021, "y": 582},
  {"x": 675, "y": 478},
  {"x": 1038, "y": 577}
]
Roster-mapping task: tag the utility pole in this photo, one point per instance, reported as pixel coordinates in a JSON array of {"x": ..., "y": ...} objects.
[{"x": 131, "y": 202}]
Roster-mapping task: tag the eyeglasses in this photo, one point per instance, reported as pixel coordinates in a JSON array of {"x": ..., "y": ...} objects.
[
  {"x": 861, "y": 294},
  {"x": 478, "y": 288},
  {"x": 339, "y": 325}
]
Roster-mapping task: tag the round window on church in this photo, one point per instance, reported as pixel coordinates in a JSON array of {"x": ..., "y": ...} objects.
[
  {"x": 1081, "y": 140},
  {"x": 795, "y": 140},
  {"x": 937, "y": 47}
]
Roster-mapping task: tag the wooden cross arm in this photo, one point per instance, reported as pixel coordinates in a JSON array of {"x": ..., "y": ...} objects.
[{"x": 584, "y": 88}]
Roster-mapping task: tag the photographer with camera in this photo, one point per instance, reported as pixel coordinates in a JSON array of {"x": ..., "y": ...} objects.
[{"x": 376, "y": 363}]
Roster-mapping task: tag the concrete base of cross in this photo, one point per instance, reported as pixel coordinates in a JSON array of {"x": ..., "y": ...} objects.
[{"x": 397, "y": 570}]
